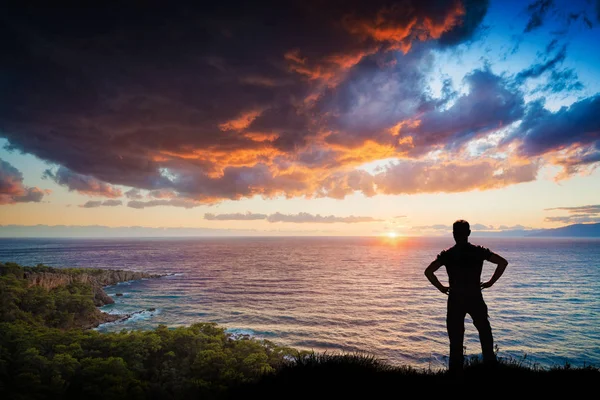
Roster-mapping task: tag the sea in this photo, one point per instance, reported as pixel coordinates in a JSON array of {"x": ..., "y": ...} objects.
[{"x": 360, "y": 295}]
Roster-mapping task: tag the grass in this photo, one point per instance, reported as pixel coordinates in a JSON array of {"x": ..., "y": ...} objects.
[{"x": 350, "y": 376}]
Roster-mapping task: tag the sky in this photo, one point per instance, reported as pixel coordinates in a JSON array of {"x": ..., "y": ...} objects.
[{"x": 300, "y": 117}]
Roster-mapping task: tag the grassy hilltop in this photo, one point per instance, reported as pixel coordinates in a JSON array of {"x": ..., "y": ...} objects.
[{"x": 46, "y": 352}]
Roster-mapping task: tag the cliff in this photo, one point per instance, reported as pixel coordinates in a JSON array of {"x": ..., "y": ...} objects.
[
  {"x": 96, "y": 278},
  {"x": 69, "y": 311}
]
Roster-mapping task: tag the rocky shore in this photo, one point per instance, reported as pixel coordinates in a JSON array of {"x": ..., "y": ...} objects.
[{"x": 97, "y": 279}]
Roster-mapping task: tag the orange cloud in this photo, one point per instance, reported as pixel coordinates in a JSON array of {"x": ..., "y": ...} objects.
[
  {"x": 398, "y": 25},
  {"x": 452, "y": 176},
  {"x": 12, "y": 189},
  {"x": 261, "y": 136},
  {"x": 367, "y": 152},
  {"x": 433, "y": 29},
  {"x": 241, "y": 122}
]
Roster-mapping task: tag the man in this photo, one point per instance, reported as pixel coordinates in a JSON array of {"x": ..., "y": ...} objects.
[{"x": 464, "y": 262}]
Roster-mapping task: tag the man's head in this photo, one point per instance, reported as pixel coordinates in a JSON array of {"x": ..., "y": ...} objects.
[{"x": 461, "y": 231}]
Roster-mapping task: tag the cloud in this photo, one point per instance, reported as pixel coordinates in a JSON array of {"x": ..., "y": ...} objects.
[
  {"x": 227, "y": 103},
  {"x": 431, "y": 176},
  {"x": 83, "y": 184},
  {"x": 591, "y": 209},
  {"x": 574, "y": 219},
  {"x": 155, "y": 203},
  {"x": 490, "y": 104},
  {"x": 304, "y": 217},
  {"x": 537, "y": 70},
  {"x": 91, "y": 204},
  {"x": 301, "y": 217},
  {"x": 112, "y": 203},
  {"x": 436, "y": 227},
  {"x": 565, "y": 80},
  {"x": 538, "y": 11},
  {"x": 162, "y": 194},
  {"x": 557, "y": 80},
  {"x": 577, "y": 214},
  {"x": 399, "y": 28},
  {"x": 475, "y": 11},
  {"x": 517, "y": 227},
  {"x": 12, "y": 189},
  {"x": 234, "y": 217},
  {"x": 569, "y": 135},
  {"x": 442, "y": 227},
  {"x": 105, "y": 203},
  {"x": 134, "y": 194},
  {"x": 481, "y": 227},
  {"x": 242, "y": 105}
]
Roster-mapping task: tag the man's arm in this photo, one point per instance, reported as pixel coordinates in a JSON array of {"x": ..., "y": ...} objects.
[
  {"x": 429, "y": 273},
  {"x": 501, "y": 264}
]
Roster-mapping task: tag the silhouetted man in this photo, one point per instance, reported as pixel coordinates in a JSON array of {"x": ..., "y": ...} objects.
[{"x": 464, "y": 262}]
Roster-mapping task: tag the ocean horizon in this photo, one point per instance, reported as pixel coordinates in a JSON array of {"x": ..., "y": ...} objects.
[{"x": 346, "y": 294}]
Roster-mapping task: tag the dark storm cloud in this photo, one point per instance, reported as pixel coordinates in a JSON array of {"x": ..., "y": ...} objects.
[
  {"x": 197, "y": 106},
  {"x": 12, "y": 189},
  {"x": 81, "y": 183},
  {"x": 212, "y": 102},
  {"x": 574, "y": 130},
  {"x": 373, "y": 99},
  {"x": 475, "y": 11},
  {"x": 538, "y": 10},
  {"x": 490, "y": 104}
]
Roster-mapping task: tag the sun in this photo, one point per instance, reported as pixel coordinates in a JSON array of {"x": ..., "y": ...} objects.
[{"x": 392, "y": 235}]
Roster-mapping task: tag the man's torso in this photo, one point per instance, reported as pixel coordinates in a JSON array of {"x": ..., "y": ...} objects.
[{"x": 464, "y": 264}]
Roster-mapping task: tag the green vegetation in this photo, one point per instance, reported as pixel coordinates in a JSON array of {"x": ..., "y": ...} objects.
[
  {"x": 62, "y": 307},
  {"x": 45, "y": 354},
  {"x": 164, "y": 363}
]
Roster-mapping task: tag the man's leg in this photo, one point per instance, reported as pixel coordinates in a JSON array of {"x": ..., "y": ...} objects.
[
  {"x": 479, "y": 314},
  {"x": 455, "y": 324}
]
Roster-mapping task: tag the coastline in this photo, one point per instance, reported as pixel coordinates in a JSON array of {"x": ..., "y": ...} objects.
[
  {"x": 98, "y": 280},
  {"x": 50, "y": 357},
  {"x": 107, "y": 317}
]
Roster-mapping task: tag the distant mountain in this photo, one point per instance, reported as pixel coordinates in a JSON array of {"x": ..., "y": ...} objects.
[{"x": 576, "y": 230}]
